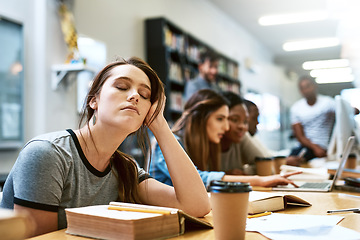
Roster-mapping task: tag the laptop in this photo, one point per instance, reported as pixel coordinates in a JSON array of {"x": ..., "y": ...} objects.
[{"x": 324, "y": 186}]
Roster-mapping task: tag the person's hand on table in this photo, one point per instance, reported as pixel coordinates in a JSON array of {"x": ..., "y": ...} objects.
[{"x": 278, "y": 179}]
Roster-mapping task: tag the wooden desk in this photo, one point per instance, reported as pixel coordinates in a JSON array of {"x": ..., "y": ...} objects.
[{"x": 321, "y": 202}]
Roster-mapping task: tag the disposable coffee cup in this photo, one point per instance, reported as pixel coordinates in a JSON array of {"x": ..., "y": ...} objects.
[
  {"x": 278, "y": 162},
  {"x": 229, "y": 203},
  {"x": 351, "y": 161},
  {"x": 264, "y": 166}
]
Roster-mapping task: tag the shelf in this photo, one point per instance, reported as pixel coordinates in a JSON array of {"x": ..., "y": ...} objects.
[
  {"x": 60, "y": 72},
  {"x": 173, "y": 53}
]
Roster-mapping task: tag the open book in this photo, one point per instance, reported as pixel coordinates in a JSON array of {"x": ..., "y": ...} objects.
[
  {"x": 130, "y": 221},
  {"x": 267, "y": 202}
]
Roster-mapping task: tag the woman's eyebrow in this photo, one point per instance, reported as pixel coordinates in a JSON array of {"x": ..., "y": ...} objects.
[{"x": 130, "y": 80}]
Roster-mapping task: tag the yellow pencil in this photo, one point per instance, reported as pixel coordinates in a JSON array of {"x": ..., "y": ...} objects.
[
  {"x": 259, "y": 215},
  {"x": 130, "y": 209}
]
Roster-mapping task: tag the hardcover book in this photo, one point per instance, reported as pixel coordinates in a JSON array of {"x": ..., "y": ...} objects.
[{"x": 130, "y": 221}]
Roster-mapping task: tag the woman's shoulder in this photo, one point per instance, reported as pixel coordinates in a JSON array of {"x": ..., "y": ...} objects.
[
  {"x": 48, "y": 142},
  {"x": 52, "y": 136},
  {"x": 57, "y": 146}
]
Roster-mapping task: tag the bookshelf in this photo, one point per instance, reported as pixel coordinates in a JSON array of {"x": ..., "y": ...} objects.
[{"x": 174, "y": 55}]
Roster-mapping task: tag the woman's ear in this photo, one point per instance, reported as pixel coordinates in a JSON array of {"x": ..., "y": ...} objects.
[{"x": 93, "y": 103}]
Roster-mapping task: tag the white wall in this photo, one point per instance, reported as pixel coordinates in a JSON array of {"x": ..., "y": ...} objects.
[
  {"x": 120, "y": 24},
  {"x": 44, "y": 109}
]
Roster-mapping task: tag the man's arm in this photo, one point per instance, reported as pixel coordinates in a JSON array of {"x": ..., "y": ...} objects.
[{"x": 300, "y": 136}]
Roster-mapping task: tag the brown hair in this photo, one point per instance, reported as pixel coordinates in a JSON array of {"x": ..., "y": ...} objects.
[
  {"x": 125, "y": 165},
  {"x": 192, "y": 127}
]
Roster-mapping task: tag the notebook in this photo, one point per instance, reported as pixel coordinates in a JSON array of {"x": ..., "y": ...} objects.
[{"x": 324, "y": 186}]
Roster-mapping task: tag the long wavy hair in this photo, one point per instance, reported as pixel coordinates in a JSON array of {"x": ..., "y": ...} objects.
[
  {"x": 125, "y": 165},
  {"x": 192, "y": 127}
]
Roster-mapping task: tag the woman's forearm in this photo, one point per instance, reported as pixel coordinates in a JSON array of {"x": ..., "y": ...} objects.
[
  {"x": 189, "y": 189},
  {"x": 253, "y": 180}
]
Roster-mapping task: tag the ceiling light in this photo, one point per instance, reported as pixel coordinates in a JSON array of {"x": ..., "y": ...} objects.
[
  {"x": 331, "y": 72},
  {"x": 293, "y": 18},
  {"x": 334, "y": 79},
  {"x": 310, "y": 44},
  {"x": 333, "y": 63}
]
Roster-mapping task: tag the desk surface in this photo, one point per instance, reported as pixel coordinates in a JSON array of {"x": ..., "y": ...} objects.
[{"x": 321, "y": 202}]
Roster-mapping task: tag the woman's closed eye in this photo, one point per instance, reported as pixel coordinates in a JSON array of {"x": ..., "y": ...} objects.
[
  {"x": 145, "y": 94},
  {"x": 122, "y": 87}
]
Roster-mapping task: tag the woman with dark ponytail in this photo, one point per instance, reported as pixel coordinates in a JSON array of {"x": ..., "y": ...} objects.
[{"x": 83, "y": 167}]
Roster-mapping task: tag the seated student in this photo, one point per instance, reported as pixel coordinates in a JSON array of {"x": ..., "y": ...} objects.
[
  {"x": 200, "y": 129},
  {"x": 237, "y": 147},
  {"x": 78, "y": 168},
  {"x": 253, "y": 111}
]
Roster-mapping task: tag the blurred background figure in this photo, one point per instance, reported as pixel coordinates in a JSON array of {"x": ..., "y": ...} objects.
[
  {"x": 206, "y": 79},
  {"x": 312, "y": 119}
]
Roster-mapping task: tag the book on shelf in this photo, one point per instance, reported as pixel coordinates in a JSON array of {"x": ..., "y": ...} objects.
[
  {"x": 270, "y": 202},
  {"x": 14, "y": 225},
  {"x": 130, "y": 221}
]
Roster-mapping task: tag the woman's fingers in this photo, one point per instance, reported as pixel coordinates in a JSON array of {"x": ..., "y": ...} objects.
[{"x": 290, "y": 174}]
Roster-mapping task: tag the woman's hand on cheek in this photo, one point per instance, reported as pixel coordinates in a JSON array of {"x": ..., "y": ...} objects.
[{"x": 156, "y": 122}]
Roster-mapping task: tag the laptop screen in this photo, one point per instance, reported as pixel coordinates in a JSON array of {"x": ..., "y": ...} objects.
[{"x": 345, "y": 155}]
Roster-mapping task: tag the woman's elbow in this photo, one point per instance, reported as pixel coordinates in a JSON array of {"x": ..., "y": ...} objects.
[
  {"x": 199, "y": 209},
  {"x": 204, "y": 210}
]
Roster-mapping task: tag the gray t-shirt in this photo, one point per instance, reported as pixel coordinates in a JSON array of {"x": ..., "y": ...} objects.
[{"x": 52, "y": 173}]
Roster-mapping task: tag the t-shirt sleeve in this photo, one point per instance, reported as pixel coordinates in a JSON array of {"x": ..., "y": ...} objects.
[
  {"x": 38, "y": 176},
  {"x": 294, "y": 116},
  {"x": 142, "y": 175}
]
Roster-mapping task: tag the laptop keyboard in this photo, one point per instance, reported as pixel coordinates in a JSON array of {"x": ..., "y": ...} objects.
[{"x": 314, "y": 185}]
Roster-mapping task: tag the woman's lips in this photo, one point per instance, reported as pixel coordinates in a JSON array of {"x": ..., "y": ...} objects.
[{"x": 131, "y": 108}]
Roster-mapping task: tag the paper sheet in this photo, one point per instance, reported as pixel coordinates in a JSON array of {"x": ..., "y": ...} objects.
[
  {"x": 317, "y": 233},
  {"x": 299, "y": 226}
]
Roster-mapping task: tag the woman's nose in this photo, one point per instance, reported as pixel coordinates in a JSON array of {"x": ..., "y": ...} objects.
[
  {"x": 227, "y": 127},
  {"x": 133, "y": 96}
]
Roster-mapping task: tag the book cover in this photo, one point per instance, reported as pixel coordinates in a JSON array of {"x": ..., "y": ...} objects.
[
  {"x": 14, "y": 225},
  {"x": 270, "y": 202},
  {"x": 129, "y": 221}
]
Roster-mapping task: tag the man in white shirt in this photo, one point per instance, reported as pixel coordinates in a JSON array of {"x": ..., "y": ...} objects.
[{"x": 312, "y": 119}]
